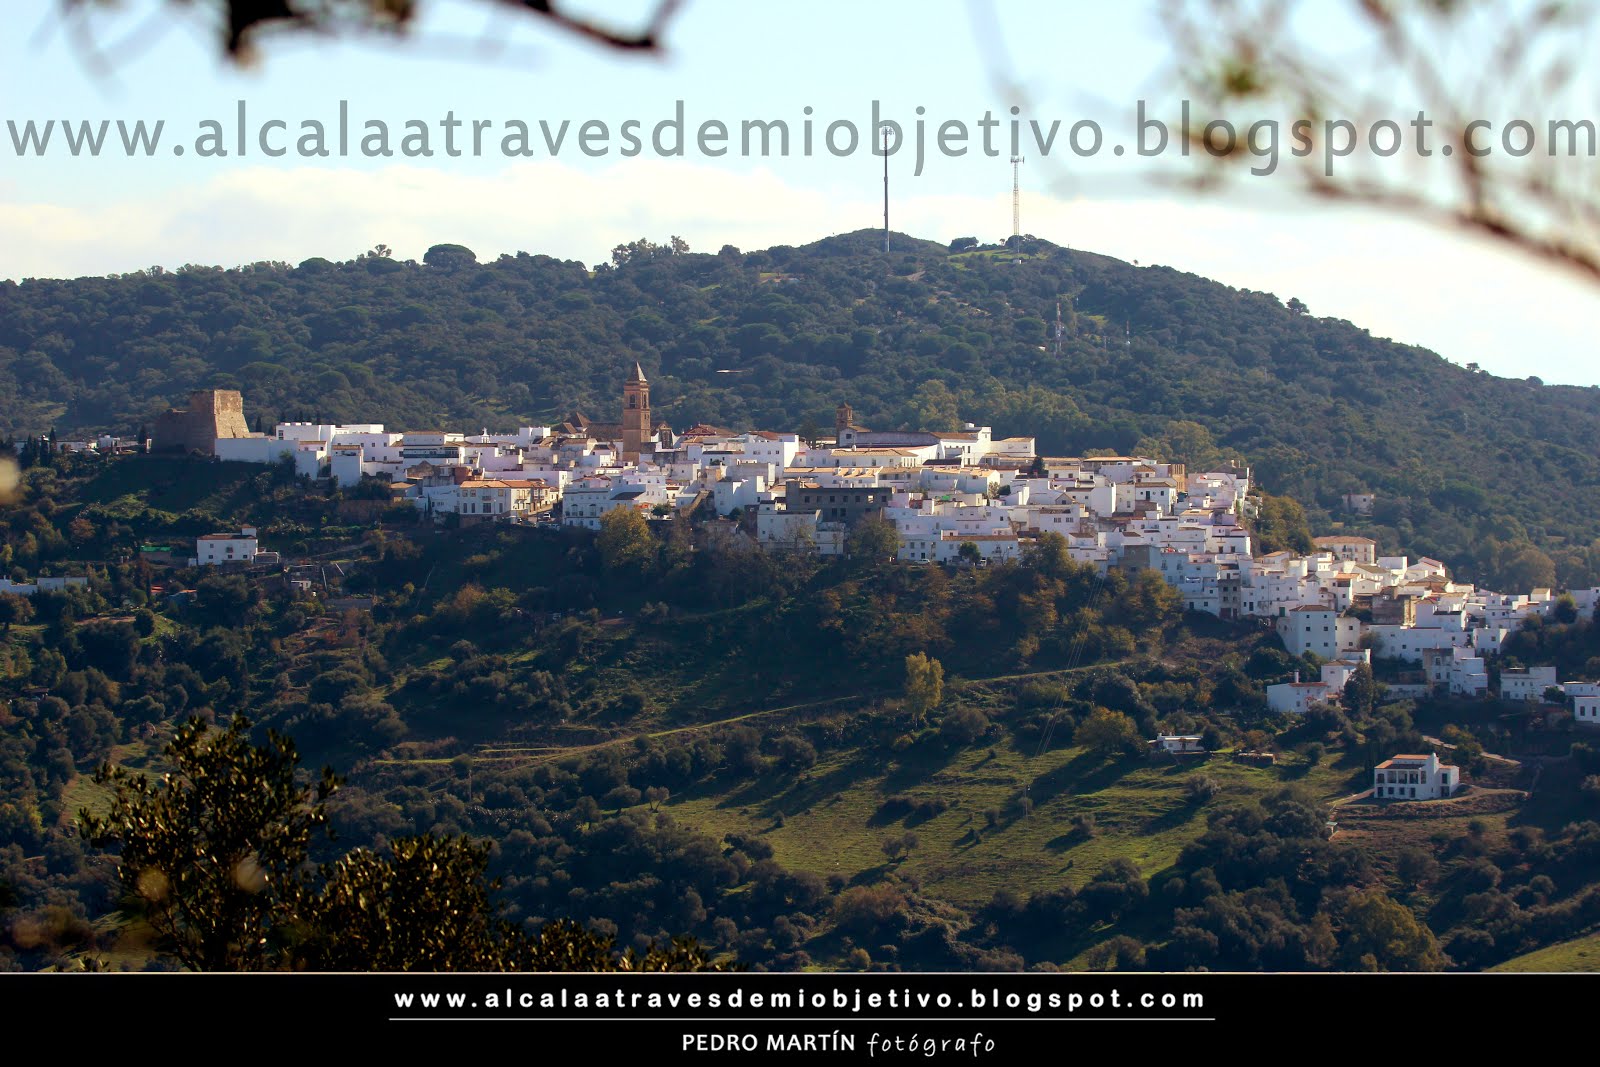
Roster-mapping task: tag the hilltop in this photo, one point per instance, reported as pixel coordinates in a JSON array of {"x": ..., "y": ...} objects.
[{"x": 1482, "y": 471}]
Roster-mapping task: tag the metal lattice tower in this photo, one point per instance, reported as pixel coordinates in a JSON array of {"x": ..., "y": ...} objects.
[{"x": 1016, "y": 195}]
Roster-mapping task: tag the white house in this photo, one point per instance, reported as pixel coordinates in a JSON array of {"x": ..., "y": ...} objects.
[
  {"x": 1349, "y": 549},
  {"x": 1586, "y": 709},
  {"x": 792, "y": 530},
  {"x": 1296, "y": 697},
  {"x": 585, "y": 502},
  {"x": 490, "y": 498},
  {"x": 1526, "y": 683},
  {"x": 1319, "y": 629},
  {"x": 212, "y": 549},
  {"x": 257, "y": 448},
  {"x": 40, "y": 585},
  {"x": 1415, "y": 778},
  {"x": 1179, "y": 744},
  {"x": 763, "y": 446},
  {"x": 997, "y": 547}
]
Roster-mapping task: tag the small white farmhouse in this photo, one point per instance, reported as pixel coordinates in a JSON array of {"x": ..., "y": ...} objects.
[{"x": 1179, "y": 744}]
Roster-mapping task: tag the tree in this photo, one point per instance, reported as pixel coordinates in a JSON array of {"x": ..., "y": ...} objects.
[
  {"x": 1566, "y": 609},
  {"x": 209, "y": 851},
  {"x": 1415, "y": 867},
  {"x": 896, "y": 847},
  {"x": 1239, "y": 63},
  {"x": 449, "y": 257},
  {"x": 213, "y": 855},
  {"x": 15, "y": 609},
  {"x": 239, "y": 21},
  {"x": 1527, "y": 568},
  {"x": 924, "y": 689},
  {"x": 625, "y": 541},
  {"x": 424, "y": 907},
  {"x": 963, "y": 725},
  {"x": 1381, "y": 934},
  {"x": 874, "y": 538},
  {"x": 1105, "y": 732},
  {"x": 969, "y": 553},
  {"x": 1360, "y": 691}
]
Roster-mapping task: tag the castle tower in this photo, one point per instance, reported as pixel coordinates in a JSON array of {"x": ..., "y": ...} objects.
[
  {"x": 211, "y": 414},
  {"x": 635, "y": 414}
]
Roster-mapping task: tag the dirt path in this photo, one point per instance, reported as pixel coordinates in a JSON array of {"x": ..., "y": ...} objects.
[{"x": 490, "y": 753}]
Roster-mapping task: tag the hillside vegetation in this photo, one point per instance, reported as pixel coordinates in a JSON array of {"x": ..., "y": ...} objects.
[{"x": 659, "y": 731}]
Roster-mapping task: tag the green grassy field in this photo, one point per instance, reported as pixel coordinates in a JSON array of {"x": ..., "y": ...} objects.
[
  {"x": 831, "y": 820},
  {"x": 82, "y": 792},
  {"x": 1582, "y": 954}
]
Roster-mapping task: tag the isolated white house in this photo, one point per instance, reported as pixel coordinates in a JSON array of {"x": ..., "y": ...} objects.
[
  {"x": 212, "y": 549},
  {"x": 1415, "y": 778}
]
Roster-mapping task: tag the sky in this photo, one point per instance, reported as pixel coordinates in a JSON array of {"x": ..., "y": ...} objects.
[{"x": 1469, "y": 299}]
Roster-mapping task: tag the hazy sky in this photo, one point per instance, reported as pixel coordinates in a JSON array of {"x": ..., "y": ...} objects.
[{"x": 63, "y": 216}]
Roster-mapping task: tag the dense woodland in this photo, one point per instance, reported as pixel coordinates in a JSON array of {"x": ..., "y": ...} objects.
[
  {"x": 1493, "y": 475},
  {"x": 630, "y": 732}
]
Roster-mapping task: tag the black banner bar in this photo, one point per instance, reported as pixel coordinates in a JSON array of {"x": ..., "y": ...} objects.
[{"x": 977, "y": 1017}]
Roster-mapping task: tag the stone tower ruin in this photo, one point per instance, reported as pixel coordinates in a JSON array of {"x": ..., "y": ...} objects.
[{"x": 211, "y": 414}]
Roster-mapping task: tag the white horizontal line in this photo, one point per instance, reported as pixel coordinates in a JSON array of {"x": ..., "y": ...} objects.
[{"x": 791, "y": 1019}]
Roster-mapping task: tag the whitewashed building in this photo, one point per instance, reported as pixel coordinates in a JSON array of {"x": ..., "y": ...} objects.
[
  {"x": 1297, "y": 697},
  {"x": 41, "y": 585},
  {"x": 1415, "y": 778},
  {"x": 1526, "y": 683},
  {"x": 213, "y": 549},
  {"x": 1314, "y": 628}
]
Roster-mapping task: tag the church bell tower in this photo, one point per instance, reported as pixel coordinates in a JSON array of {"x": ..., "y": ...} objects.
[{"x": 635, "y": 414}]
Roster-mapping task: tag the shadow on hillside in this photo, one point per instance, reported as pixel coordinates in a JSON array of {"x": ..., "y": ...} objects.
[
  {"x": 1178, "y": 816},
  {"x": 785, "y": 794},
  {"x": 915, "y": 766},
  {"x": 1084, "y": 773},
  {"x": 1067, "y": 841}
]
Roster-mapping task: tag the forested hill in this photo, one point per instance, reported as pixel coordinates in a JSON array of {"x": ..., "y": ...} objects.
[{"x": 1494, "y": 475}]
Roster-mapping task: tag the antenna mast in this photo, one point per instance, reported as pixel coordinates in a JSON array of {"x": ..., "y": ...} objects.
[
  {"x": 885, "y": 130},
  {"x": 1016, "y": 195}
]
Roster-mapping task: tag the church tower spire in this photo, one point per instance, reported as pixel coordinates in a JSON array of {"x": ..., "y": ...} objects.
[{"x": 635, "y": 414}]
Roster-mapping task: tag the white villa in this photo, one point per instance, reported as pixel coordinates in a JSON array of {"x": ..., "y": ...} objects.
[{"x": 1415, "y": 778}]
